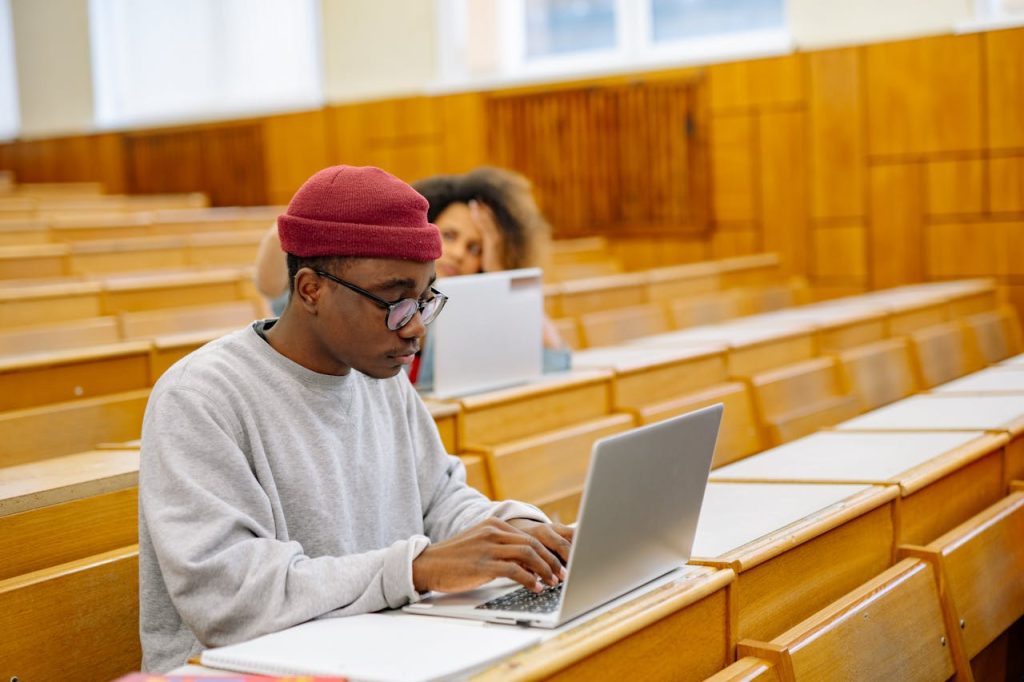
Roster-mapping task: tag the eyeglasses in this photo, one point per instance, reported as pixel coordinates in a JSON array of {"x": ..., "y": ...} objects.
[{"x": 401, "y": 311}]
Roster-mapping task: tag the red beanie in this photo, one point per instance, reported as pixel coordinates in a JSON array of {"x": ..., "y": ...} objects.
[{"x": 358, "y": 211}]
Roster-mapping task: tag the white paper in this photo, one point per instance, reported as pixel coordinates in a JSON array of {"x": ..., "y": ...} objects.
[{"x": 375, "y": 647}]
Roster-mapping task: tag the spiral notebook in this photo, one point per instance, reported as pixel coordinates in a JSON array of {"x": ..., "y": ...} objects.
[{"x": 375, "y": 648}]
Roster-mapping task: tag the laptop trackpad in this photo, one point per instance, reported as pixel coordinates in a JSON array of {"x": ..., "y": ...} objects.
[{"x": 472, "y": 598}]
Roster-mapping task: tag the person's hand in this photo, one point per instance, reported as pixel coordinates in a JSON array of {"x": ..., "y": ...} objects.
[
  {"x": 555, "y": 536},
  {"x": 492, "y": 549},
  {"x": 492, "y": 245}
]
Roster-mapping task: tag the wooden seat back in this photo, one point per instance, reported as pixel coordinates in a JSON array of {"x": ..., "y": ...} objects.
[
  {"x": 150, "y": 324},
  {"x": 994, "y": 334},
  {"x": 740, "y": 434},
  {"x": 612, "y": 327},
  {"x": 77, "y": 620},
  {"x": 890, "y": 628},
  {"x": 941, "y": 353},
  {"x": 594, "y": 294},
  {"x": 548, "y": 469},
  {"x": 747, "y": 669},
  {"x": 801, "y": 398},
  {"x": 695, "y": 311},
  {"x": 35, "y": 261},
  {"x": 35, "y": 433},
  {"x": 95, "y": 331},
  {"x": 879, "y": 373},
  {"x": 981, "y": 568}
]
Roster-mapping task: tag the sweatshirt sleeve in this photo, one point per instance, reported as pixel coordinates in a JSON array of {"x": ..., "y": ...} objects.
[
  {"x": 450, "y": 504},
  {"x": 213, "y": 531}
]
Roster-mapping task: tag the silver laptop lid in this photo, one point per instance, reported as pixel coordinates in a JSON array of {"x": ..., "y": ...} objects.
[
  {"x": 490, "y": 333},
  {"x": 640, "y": 507}
]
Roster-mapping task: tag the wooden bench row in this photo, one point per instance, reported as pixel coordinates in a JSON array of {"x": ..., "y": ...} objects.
[
  {"x": 131, "y": 223},
  {"x": 44, "y": 303},
  {"x": 127, "y": 254}
]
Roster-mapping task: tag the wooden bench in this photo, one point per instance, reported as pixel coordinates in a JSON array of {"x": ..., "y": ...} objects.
[
  {"x": 581, "y": 296},
  {"x": 835, "y": 537},
  {"x": 150, "y": 324},
  {"x": 682, "y": 281},
  {"x": 889, "y": 628},
  {"x": 748, "y": 271},
  {"x": 63, "y": 428},
  {"x": 944, "y": 478},
  {"x": 34, "y": 261},
  {"x": 67, "y": 508},
  {"x": 127, "y": 254},
  {"x": 981, "y": 570},
  {"x": 611, "y": 327},
  {"x": 81, "y": 616},
  {"x": 640, "y": 638},
  {"x": 59, "y": 376},
  {"x": 740, "y": 435},
  {"x": 994, "y": 334},
  {"x": 879, "y": 373},
  {"x": 941, "y": 354},
  {"x": 99, "y": 227},
  {"x": 173, "y": 290},
  {"x": 747, "y": 669},
  {"x": 95, "y": 331},
  {"x": 798, "y": 399},
  {"x": 991, "y": 381},
  {"x": 951, "y": 412},
  {"x": 753, "y": 348},
  {"x": 711, "y": 308}
]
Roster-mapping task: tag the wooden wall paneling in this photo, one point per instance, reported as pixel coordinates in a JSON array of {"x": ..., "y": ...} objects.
[
  {"x": 775, "y": 81},
  {"x": 80, "y": 158},
  {"x": 1004, "y": 88},
  {"x": 735, "y": 241},
  {"x": 1006, "y": 184},
  {"x": 461, "y": 126},
  {"x": 295, "y": 147},
  {"x": 837, "y": 150},
  {"x": 784, "y": 194},
  {"x": 840, "y": 254},
  {"x": 896, "y": 247},
  {"x": 962, "y": 249},
  {"x": 606, "y": 157},
  {"x": 924, "y": 95},
  {"x": 955, "y": 187},
  {"x": 1009, "y": 249},
  {"x": 733, "y": 190},
  {"x": 225, "y": 161},
  {"x": 347, "y": 144}
]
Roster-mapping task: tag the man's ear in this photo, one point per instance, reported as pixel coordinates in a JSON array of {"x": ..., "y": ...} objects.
[{"x": 309, "y": 286}]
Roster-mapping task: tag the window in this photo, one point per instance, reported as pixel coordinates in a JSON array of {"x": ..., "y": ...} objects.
[
  {"x": 525, "y": 38},
  {"x": 160, "y": 62},
  {"x": 9, "y": 119}
]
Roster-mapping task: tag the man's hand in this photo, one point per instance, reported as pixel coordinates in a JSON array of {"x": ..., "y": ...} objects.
[{"x": 527, "y": 552}]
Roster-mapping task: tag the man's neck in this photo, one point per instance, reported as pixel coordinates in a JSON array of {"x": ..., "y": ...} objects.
[{"x": 291, "y": 337}]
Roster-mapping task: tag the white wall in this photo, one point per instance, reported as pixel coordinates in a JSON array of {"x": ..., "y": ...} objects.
[
  {"x": 378, "y": 48},
  {"x": 51, "y": 41},
  {"x": 826, "y": 23}
]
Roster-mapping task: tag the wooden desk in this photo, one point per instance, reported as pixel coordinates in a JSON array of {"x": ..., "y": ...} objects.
[
  {"x": 938, "y": 412},
  {"x": 1014, "y": 363},
  {"x": 752, "y": 348},
  {"x": 944, "y": 478},
  {"x": 553, "y": 401},
  {"x": 838, "y": 326},
  {"x": 680, "y": 631},
  {"x": 681, "y": 281},
  {"x": 647, "y": 376},
  {"x": 964, "y": 296},
  {"x": 990, "y": 381},
  {"x": 910, "y": 310},
  {"x": 58, "y": 376},
  {"x": 48, "y": 303},
  {"x": 796, "y": 548}
]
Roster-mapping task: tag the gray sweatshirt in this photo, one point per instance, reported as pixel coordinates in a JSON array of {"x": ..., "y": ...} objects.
[{"x": 270, "y": 495}]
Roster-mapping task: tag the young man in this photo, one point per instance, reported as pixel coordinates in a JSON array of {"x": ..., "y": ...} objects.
[{"x": 290, "y": 471}]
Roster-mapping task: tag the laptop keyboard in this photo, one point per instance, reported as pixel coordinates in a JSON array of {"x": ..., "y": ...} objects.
[{"x": 522, "y": 599}]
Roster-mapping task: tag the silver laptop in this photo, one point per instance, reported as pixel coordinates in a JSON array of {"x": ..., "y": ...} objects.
[
  {"x": 490, "y": 334},
  {"x": 637, "y": 521}
]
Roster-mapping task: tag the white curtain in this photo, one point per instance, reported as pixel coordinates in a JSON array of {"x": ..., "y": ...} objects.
[
  {"x": 156, "y": 61},
  {"x": 9, "y": 120}
]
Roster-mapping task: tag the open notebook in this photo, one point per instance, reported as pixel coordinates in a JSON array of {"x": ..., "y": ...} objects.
[{"x": 374, "y": 647}]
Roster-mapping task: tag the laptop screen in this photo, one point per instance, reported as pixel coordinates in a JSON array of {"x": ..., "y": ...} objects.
[{"x": 489, "y": 334}]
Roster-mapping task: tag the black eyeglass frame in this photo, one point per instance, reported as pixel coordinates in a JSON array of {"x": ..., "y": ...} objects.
[{"x": 390, "y": 306}]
